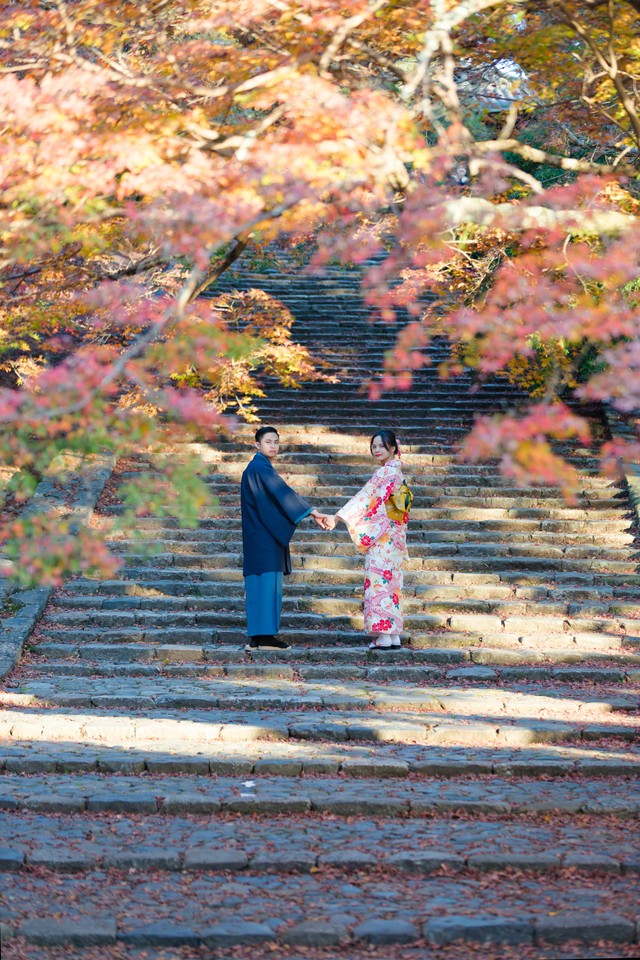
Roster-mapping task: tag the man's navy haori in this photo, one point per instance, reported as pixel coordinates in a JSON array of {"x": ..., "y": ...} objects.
[{"x": 271, "y": 510}]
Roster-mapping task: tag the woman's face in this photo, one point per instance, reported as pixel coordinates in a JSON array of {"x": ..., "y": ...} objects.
[{"x": 379, "y": 452}]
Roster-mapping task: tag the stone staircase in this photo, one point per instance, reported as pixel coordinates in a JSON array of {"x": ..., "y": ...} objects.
[{"x": 161, "y": 789}]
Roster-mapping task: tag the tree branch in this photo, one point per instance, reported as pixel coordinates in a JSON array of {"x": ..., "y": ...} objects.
[
  {"x": 553, "y": 160},
  {"x": 517, "y": 218},
  {"x": 344, "y": 30},
  {"x": 145, "y": 263},
  {"x": 240, "y": 245}
]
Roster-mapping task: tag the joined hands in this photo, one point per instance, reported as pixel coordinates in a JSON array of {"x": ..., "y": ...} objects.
[{"x": 324, "y": 520}]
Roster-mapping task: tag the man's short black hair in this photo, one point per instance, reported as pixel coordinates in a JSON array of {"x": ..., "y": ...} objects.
[{"x": 263, "y": 431}]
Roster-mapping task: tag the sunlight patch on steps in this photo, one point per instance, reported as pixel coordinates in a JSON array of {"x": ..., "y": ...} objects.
[
  {"x": 484, "y": 703},
  {"x": 306, "y": 751},
  {"x": 184, "y": 734}
]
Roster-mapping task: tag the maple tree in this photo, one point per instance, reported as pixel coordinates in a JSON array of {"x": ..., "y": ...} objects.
[{"x": 482, "y": 151}]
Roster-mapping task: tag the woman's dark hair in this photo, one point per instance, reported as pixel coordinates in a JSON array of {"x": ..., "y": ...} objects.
[
  {"x": 263, "y": 431},
  {"x": 388, "y": 438}
]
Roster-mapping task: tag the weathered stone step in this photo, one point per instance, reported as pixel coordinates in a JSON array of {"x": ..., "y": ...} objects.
[
  {"x": 454, "y": 498},
  {"x": 506, "y": 565},
  {"x": 443, "y": 482},
  {"x": 294, "y": 758},
  {"x": 442, "y": 396},
  {"x": 286, "y": 693},
  {"x": 270, "y": 719},
  {"x": 362, "y": 796},
  {"x": 419, "y": 847},
  {"x": 427, "y": 388},
  {"x": 226, "y": 452},
  {"x": 192, "y": 661},
  {"x": 425, "y": 487},
  {"x": 352, "y": 411},
  {"x": 415, "y": 622},
  {"x": 451, "y": 546},
  {"x": 343, "y": 438},
  {"x": 503, "y": 607},
  {"x": 305, "y": 452},
  {"x": 362, "y": 924},
  {"x": 354, "y": 442},
  {"x": 169, "y": 594},
  {"x": 338, "y": 471},
  {"x": 141, "y": 579},
  {"x": 525, "y": 646},
  {"x": 227, "y": 529},
  {"x": 414, "y": 428},
  {"x": 171, "y": 647},
  {"x": 122, "y": 594},
  {"x": 230, "y": 509}
]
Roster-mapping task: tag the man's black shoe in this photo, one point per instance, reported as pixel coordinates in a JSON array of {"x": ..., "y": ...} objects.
[{"x": 266, "y": 643}]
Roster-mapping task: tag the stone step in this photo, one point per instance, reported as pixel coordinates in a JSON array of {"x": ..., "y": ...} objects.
[
  {"x": 418, "y": 846},
  {"x": 296, "y": 758},
  {"x": 306, "y": 456},
  {"x": 207, "y": 719},
  {"x": 505, "y": 565},
  {"x": 426, "y": 410},
  {"x": 447, "y": 547},
  {"x": 227, "y": 477},
  {"x": 304, "y": 451},
  {"x": 223, "y": 529},
  {"x": 443, "y": 481},
  {"x": 256, "y": 920},
  {"x": 603, "y": 516},
  {"x": 415, "y": 622},
  {"x": 158, "y": 578},
  {"x": 193, "y": 661},
  {"x": 170, "y": 646},
  {"x": 361, "y": 796},
  {"x": 503, "y": 607},
  {"x": 523, "y": 645},
  {"x": 305, "y": 439},
  {"x": 426, "y": 497},
  {"x": 414, "y": 427},
  {"x": 432, "y": 395},
  {"x": 453, "y": 388},
  {"x": 469, "y": 511},
  {"x": 119, "y": 594},
  {"x": 276, "y": 692}
]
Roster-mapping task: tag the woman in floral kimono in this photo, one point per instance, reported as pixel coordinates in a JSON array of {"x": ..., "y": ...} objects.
[{"x": 378, "y": 528}]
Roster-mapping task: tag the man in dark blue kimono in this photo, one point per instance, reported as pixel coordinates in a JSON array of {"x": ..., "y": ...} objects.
[{"x": 271, "y": 511}]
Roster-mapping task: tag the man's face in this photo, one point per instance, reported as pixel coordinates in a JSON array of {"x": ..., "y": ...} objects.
[{"x": 269, "y": 445}]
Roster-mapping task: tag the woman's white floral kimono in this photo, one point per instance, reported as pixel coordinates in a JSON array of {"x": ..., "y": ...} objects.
[{"x": 384, "y": 544}]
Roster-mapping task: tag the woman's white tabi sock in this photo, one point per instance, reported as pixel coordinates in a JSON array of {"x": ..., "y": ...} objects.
[{"x": 382, "y": 640}]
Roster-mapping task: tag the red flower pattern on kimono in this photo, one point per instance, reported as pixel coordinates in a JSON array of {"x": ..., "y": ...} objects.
[{"x": 384, "y": 544}]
